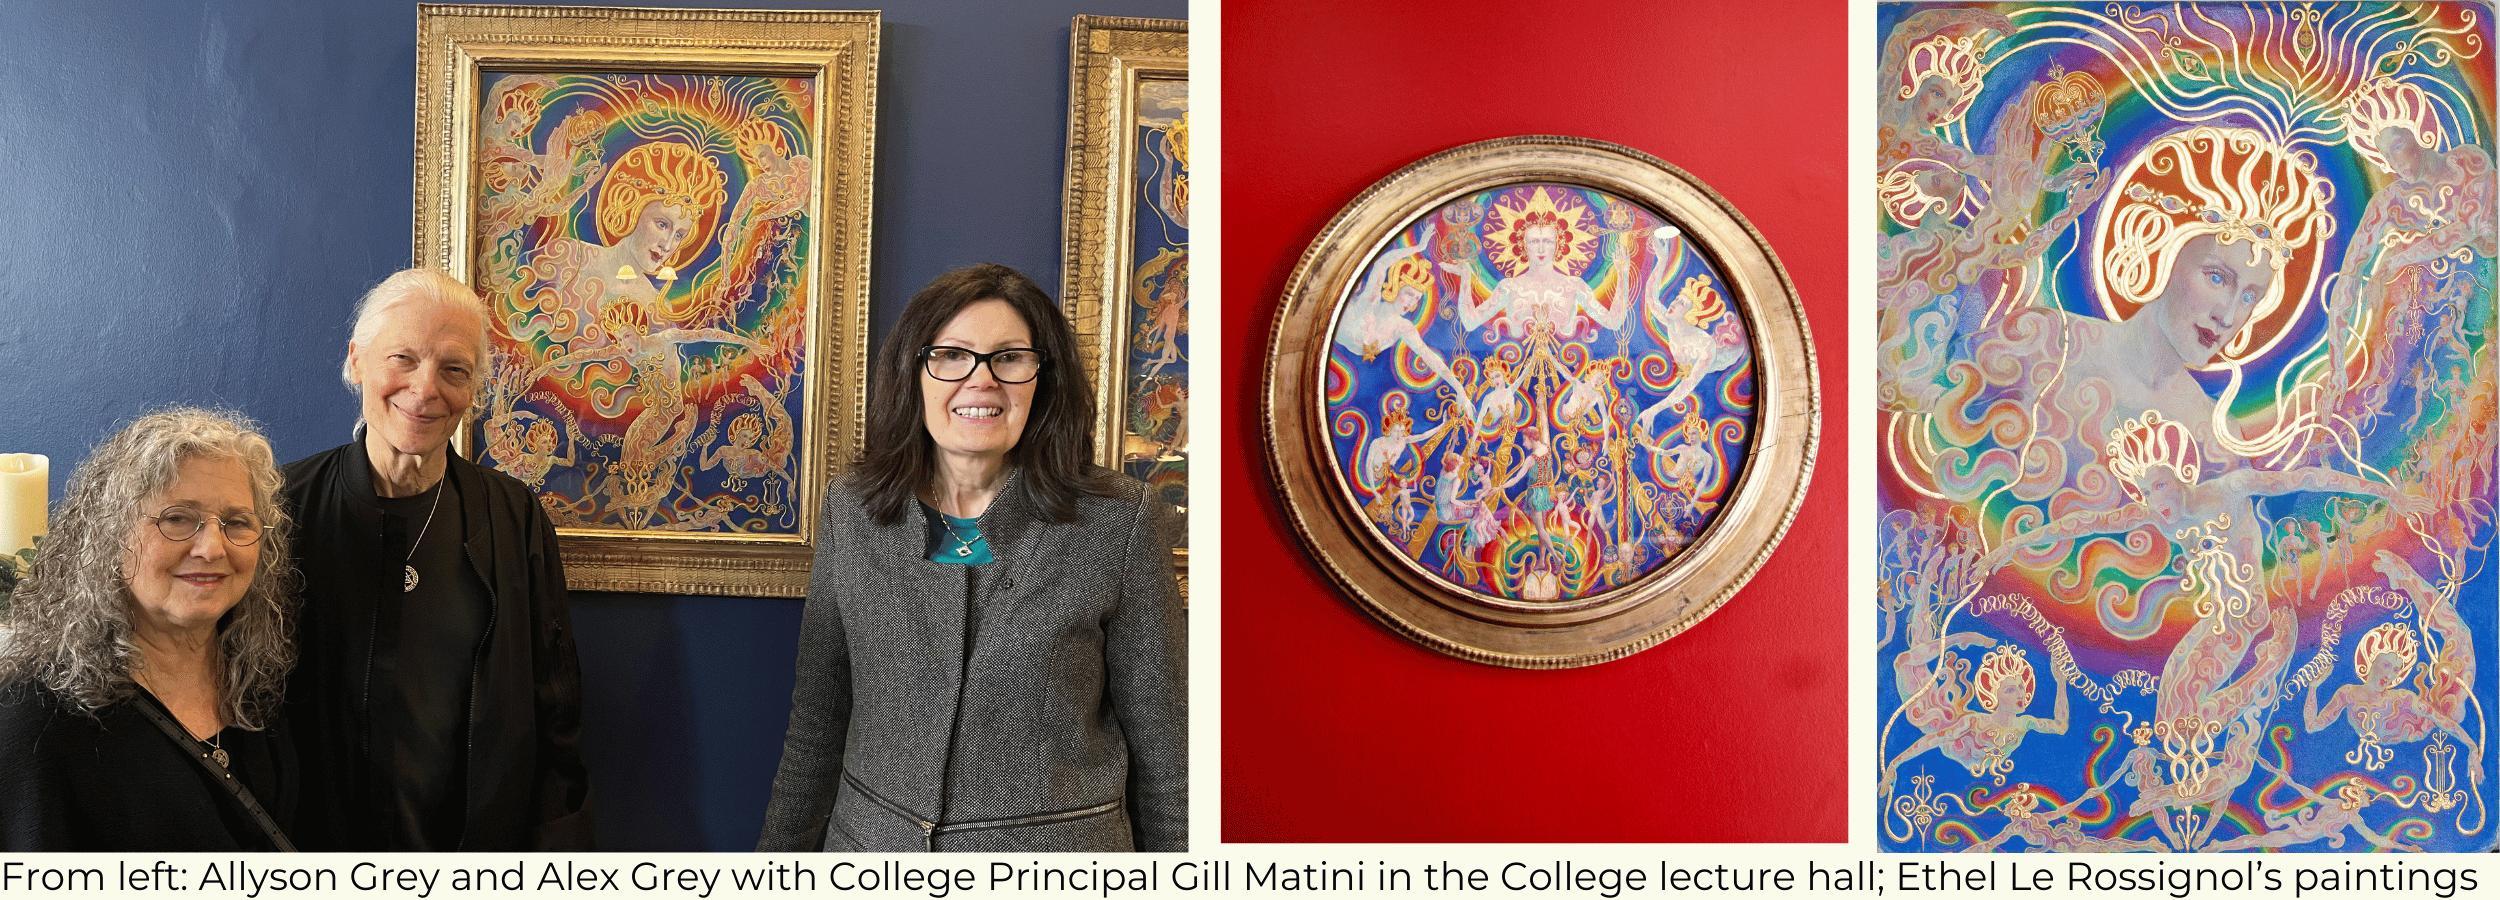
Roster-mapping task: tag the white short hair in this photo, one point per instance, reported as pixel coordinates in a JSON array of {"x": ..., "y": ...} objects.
[{"x": 404, "y": 286}]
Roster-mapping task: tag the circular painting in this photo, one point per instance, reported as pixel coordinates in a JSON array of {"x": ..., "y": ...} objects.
[
  {"x": 1538, "y": 393},
  {"x": 1540, "y": 401}
]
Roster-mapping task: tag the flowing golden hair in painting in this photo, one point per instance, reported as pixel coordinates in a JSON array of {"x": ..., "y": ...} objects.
[
  {"x": 2146, "y": 441},
  {"x": 2389, "y": 638},
  {"x": 2001, "y": 673},
  {"x": 2232, "y": 183},
  {"x": 759, "y": 135},
  {"x": 1407, "y": 272},
  {"x": 1953, "y": 59},
  {"x": 1702, "y": 303},
  {"x": 1396, "y": 420},
  {"x": 662, "y": 172},
  {"x": 2387, "y": 103}
]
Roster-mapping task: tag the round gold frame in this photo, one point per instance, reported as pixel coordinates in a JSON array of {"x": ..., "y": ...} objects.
[{"x": 1403, "y": 596}]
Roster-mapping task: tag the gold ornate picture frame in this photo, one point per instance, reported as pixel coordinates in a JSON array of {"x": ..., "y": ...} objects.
[
  {"x": 1125, "y": 224},
  {"x": 667, "y": 212},
  {"x": 1540, "y": 401}
]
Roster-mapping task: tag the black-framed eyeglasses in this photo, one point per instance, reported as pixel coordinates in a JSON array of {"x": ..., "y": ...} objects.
[
  {"x": 1014, "y": 365},
  {"x": 180, "y": 524}
]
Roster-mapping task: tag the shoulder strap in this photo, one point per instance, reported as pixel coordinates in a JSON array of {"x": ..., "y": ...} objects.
[{"x": 242, "y": 795}]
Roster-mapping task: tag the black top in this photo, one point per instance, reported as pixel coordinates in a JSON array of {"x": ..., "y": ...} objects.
[
  {"x": 425, "y": 671},
  {"x": 521, "y": 784},
  {"x": 114, "y": 781}
]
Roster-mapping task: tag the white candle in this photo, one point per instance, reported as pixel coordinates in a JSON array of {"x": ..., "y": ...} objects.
[{"x": 22, "y": 478}]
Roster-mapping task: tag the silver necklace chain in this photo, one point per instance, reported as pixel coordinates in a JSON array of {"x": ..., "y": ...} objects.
[
  {"x": 408, "y": 567},
  {"x": 963, "y": 545}
]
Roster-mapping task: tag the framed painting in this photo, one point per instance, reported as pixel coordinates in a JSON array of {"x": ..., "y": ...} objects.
[
  {"x": 1125, "y": 221},
  {"x": 1540, "y": 401},
  {"x": 667, "y": 212},
  {"x": 2185, "y": 387}
]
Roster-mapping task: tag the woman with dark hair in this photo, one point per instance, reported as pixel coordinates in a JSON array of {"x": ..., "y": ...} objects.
[
  {"x": 147, "y": 650},
  {"x": 992, "y": 654}
]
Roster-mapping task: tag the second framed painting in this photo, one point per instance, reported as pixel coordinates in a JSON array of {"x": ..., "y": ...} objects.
[
  {"x": 1540, "y": 401},
  {"x": 1125, "y": 220},
  {"x": 667, "y": 212}
]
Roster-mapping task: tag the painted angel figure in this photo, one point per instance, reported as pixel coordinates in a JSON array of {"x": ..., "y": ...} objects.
[
  {"x": 1691, "y": 468},
  {"x": 1395, "y": 443},
  {"x": 523, "y": 445},
  {"x": 1981, "y": 739},
  {"x": 1968, "y": 216},
  {"x": 2210, "y": 722},
  {"x": 655, "y": 210},
  {"x": 2197, "y": 270},
  {"x": 2439, "y": 202},
  {"x": 758, "y": 443},
  {"x": 1379, "y": 317},
  {"x": 1537, "y": 294},
  {"x": 1702, "y": 335},
  {"x": 1167, "y": 316},
  {"x": 2379, "y": 706},
  {"x": 530, "y": 181},
  {"x": 2156, "y": 460},
  {"x": 661, "y": 434},
  {"x": 1932, "y": 70}
]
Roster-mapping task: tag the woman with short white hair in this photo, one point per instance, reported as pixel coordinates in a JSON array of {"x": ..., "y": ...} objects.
[{"x": 438, "y": 704}]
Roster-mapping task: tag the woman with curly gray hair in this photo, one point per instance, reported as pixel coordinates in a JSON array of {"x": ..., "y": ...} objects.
[{"x": 147, "y": 649}]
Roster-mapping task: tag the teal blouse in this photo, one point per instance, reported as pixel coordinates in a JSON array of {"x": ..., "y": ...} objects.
[{"x": 956, "y": 541}]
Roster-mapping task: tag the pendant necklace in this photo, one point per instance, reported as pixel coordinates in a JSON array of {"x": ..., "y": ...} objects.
[
  {"x": 408, "y": 584},
  {"x": 216, "y": 745},
  {"x": 963, "y": 546}
]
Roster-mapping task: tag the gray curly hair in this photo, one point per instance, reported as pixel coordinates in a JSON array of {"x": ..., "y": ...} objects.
[{"x": 70, "y": 627}]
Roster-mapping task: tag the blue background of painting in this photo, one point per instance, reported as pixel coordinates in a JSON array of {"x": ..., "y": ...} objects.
[
  {"x": 1376, "y": 378},
  {"x": 1155, "y": 233},
  {"x": 198, "y": 192}
]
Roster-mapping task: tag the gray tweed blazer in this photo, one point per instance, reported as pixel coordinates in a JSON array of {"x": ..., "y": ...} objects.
[{"x": 1037, "y": 703}]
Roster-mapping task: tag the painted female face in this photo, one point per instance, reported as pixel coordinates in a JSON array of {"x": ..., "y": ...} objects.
[
  {"x": 2015, "y": 696},
  {"x": 1540, "y": 242},
  {"x": 2405, "y": 154},
  {"x": 658, "y": 232},
  {"x": 2214, "y": 290},
  {"x": 2164, "y": 492},
  {"x": 980, "y": 415},
  {"x": 190, "y": 584},
  {"x": 2388, "y": 670},
  {"x": 1409, "y": 297},
  {"x": 1934, "y": 102}
]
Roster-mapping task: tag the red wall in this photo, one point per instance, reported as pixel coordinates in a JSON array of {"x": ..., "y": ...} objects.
[{"x": 1334, "y": 728}]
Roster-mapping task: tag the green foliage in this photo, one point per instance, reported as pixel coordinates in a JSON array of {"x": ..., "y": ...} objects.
[{"x": 13, "y": 569}]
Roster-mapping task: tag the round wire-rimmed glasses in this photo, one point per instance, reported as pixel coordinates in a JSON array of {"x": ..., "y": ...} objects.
[
  {"x": 1013, "y": 365},
  {"x": 180, "y": 524}
]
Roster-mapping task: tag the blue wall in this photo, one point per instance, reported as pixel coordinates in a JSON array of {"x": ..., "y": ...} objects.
[{"x": 192, "y": 195}]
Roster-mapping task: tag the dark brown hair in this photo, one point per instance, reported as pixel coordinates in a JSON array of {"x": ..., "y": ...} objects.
[{"x": 1053, "y": 459}]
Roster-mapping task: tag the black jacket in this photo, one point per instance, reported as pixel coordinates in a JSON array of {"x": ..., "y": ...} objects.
[
  {"x": 114, "y": 781},
  {"x": 524, "y": 785}
]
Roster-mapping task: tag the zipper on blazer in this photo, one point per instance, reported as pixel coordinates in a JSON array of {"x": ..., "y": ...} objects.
[
  {"x": 1048, "y": 818},
  {"x": 930, "y": 830}
]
